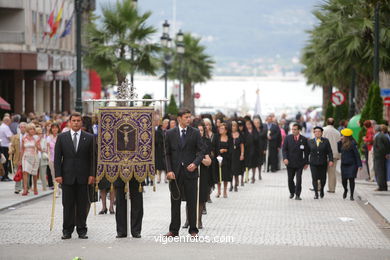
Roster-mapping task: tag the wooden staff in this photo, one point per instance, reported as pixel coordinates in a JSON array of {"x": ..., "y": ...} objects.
[
  {"x": 197, "y": 199},
  {"x": 53, "y": 206}
]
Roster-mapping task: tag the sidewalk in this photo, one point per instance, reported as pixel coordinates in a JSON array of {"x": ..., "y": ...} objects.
[
  {"x": 379, "y": 200},
  {"x": 10, "y": 200}
]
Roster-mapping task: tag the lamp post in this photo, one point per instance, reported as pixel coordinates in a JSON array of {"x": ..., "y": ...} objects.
[
  {"x": 376, "y": 44},
  {"x": 180, "y": 49},
  {"x": 166, "y": 43},
  {"x": 78, "y": 11}
]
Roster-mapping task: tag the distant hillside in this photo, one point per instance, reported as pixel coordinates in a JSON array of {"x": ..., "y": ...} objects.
[{"x": 251, "y": 33}]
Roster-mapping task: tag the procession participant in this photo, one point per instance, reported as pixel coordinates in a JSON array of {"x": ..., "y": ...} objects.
[
  {"x": 74, "y": 170},
  {"x": 223, "y": 147},
  {"x": 381, "y": 153},
  {"x": 51, "y": 142},
  {"x": 237, "y": 153},
  {"x": 159, "y": 149},
  {"x": 204, "y": 175},
  {"x": 350, "y": 161},
  {"x": 251, "y": 145},
  {"x": 296, "y": 158},
  {"x": 15, "y": 152},
  {"x": 333, "y": 135},
  {"x": 214, "y": 168},
  {"x": 320, "y": 158},
  {"x": 262, "y": 142},
  {"x": 241, "y": 129},
  {"x": 184, "y": 152},
  {"x": 274, "y": 143}
]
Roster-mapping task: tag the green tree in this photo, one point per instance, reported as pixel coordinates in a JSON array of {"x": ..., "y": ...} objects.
[
  {"x": 376, "y": 105},
  {"x": 340, "y": 113},
  {"x": 172, "y": 107},
  {"x": 147, "y": 103},
  {"x": 192, "y": 67},
  {"x": 120, "y": 42}
]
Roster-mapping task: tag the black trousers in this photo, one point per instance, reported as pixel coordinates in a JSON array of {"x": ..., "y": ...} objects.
[
  {"x": 188, "y": 186},
  {"x": 76, "y": 207},
  {"x": 292, "y": 172},
  {"x": 273, "y": 157},
  {"x": 5, "y": 165},
  {"x": 351, "y": 184},
  {"x": 136, "y": 206},
  {"x": 318, "y": 172},
  {"x": 381, "y": 172}
]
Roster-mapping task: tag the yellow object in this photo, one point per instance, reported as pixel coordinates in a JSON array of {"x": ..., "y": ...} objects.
[
  {"x": 347, "y": 132},
  {"x": 318, "y": 142},
  {"x": 220, "y": 174}
]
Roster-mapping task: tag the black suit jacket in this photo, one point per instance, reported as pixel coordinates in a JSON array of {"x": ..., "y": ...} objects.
[
  {"x": 72, "y": 165},
  {"x": 381, "y": 146},
  {"x": 179, "y": 157},
  {"x": 276, "y": 136},
  {"x": 296, "y": 152},
  {"x": 322, "y": 154}
]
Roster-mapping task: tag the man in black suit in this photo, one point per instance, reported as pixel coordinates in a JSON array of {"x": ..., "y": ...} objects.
[
  {"x": 184, "y": 152},
  {"x": 320, "y": 158},
  {"x": 381, "y": 153},
  {"x": 274, "y": 143},
  {"x": 74, "y": 163},
  {"x": 296, "y": 158}
]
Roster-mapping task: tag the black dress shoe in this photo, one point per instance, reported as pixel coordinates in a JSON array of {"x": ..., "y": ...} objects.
[
  {"x": 83, "y": 236},
  {"x": 137, "y": 235},
  {"x": 66, "y": 236},
  {"x": 352, "y": 197},
  {"x": 291, "y": 196},
  {"x": 316, "y": 197},
  {"x": 121, "y": 236},
  {"x": 321, "y": 194},
  {"x": 297, "y": 198},
  {"x": 231, "y": 188}
]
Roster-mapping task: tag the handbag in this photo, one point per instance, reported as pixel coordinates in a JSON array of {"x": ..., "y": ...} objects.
[{"x": 19, "y": 174}]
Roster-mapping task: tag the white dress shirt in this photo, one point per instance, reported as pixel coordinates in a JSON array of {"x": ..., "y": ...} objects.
[
  {"x": 181, "y": 129},
  {"x": 78, "y": 137}
]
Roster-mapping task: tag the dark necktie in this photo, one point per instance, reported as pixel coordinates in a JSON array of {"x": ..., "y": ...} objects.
[
  {"x": 183, "y": 136},
  {"x": 75, "y": 141}
]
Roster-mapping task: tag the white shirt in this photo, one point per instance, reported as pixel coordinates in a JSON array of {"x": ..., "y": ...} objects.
[
  {"x": 78, "y": 137},
  {"x": 180, "y": 130},
  {"x": 5, "y": 135}
]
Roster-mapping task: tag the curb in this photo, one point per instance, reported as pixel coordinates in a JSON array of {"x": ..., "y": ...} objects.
[
  {"x": 374, "y": 205},
  {"x": 26, "y": 201}
]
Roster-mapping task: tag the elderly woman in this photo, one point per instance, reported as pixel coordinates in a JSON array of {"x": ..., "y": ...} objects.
[
  {"x": 43, "y": 157},
  {"x": 350, "y": 161},
  {"x": 319, "y": 158},
  {"x": 30, "y": 159}
]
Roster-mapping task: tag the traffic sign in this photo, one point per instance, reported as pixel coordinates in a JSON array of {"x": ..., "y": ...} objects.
[
  {"x": 338, "y": 98},
  {"x": 197, "y": 95},
  {"x": 386, "y": 101},
  {"x": 385, "y": 92}
]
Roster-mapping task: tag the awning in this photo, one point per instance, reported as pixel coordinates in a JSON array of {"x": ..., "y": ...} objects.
[{"x": 4, "y": 104}]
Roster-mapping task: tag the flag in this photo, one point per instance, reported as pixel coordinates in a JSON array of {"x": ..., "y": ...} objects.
[
  {"x": 57, "y": 21},
  {"x": 257, "y": 110},
  {"x": 68, "y": 27},
  {"x": 49, "y": 25}
]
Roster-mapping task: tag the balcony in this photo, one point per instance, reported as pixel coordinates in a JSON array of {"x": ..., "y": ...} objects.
[
  {"x": 11, "y": 4},
  {"x": 12, "y": 37}
]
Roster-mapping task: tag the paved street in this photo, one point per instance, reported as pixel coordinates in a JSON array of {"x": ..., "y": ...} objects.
[{"x": 260, "y": 218}]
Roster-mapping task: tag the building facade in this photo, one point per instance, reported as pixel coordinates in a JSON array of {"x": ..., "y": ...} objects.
[{"x": 34, "y": 66}]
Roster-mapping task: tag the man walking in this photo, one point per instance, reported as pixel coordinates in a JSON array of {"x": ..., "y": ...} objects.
[
  {"x": 296, "y": 158},
  {"x": 74, "y": 163},
  {"x": 274, "y": 143},
  {"x": 381, "y": 152},
  {"x": 5, "y": 138},
  {"x": 333, "y": 135},
  {"x": 184, "y": 152}
]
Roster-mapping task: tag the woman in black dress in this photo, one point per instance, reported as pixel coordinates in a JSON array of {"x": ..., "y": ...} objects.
[
  {"x": 251, "y": 148},
  {"x": 350, "y": 161},
  {"x": 241, "y": 129},
  {"x": 223, "y": 148},
  {"x": 262, "y": 142},
  {"x": 237, "y": 153},
  {"x": 159, "y": 150}
]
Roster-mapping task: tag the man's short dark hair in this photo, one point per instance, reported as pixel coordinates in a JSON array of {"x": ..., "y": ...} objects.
[
  {"x": 297, "y": 125},
  {"x": 74, "y": 114},
  {"x": 183, "y": 111},
  {"x": 330, "y": 121}
]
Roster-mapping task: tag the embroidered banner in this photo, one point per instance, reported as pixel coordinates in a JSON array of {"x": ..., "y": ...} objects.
[{"x": 125, "y": 144}]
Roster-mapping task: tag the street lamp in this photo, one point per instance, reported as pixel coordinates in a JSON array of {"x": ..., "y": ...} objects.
[
  {"x": 180, "y": 49},
  {"x": 166, "y": 43}
]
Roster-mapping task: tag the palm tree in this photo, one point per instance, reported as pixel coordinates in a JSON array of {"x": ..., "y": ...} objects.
[
  {"x": 120, "y": 42},
  {"x": 342, "y": 42},
  {"x": 192, "y": 67}
]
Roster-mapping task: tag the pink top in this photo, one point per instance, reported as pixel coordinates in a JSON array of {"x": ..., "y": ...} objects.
[{"x": 52, "y": 142}]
